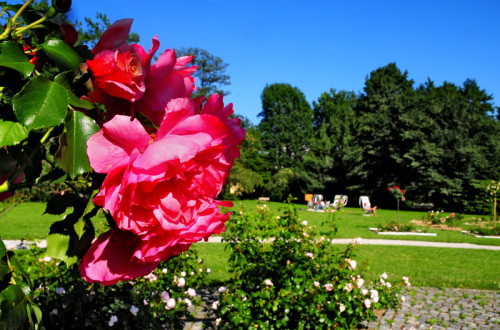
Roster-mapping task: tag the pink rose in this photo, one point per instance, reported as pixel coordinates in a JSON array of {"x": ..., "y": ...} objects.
[
  {"x": 126, "y": 82},
  {"x": 117, "y": 69},
  {"x": 160, "y": 190}
]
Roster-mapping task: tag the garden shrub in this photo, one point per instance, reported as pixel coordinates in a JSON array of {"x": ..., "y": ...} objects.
[
  {"x": 158, "y": 300},
  {"x": 285, "y": 276}
]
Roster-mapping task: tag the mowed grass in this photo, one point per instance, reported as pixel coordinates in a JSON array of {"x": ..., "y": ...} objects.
[
  {"x": 28, "y": 221},
  {"x": 352, "y": 223},
  {"x": 429, "y": 267}
]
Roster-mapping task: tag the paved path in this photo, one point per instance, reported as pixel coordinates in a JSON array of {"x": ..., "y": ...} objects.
[{"x": 17, "y": 244}]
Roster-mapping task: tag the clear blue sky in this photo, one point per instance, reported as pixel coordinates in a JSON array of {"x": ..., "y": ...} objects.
[{"x": 319, "y": 45}]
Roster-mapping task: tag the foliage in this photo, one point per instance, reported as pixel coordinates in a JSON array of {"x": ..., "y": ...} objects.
[
  {"x": 286, "y": 126},
  {"x": 284, "y": 275},
  {"x": 211, "y": 74},
  {"x": 67, "y": 301},
  {"x": 18, "y": 306}
]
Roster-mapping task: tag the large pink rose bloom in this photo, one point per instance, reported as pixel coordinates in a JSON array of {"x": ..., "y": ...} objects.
[
  {"x": 125, "y": 81},
  {"x": 160, "y": 190}
]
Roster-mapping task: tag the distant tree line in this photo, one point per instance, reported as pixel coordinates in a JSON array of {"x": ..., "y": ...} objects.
[{"x": 439, "y": 143}]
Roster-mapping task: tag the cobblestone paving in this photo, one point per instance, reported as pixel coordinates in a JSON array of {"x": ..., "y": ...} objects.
[{"x": 424, "y": 308}]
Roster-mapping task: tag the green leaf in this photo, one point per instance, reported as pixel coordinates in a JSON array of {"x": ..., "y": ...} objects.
[
  {"x": 11, "y": 133},
  {"x": 59, "y": 203},
  {"x": 12, "y": 56},
  {"x": 37, "y": 311},
  {"x": 58, "y": 246},
  {"x": 62, "y": 54},
  {"x": 73, "y": 153},
  {"x": 3, "y": 249},
  {"x": 41, "y": 103},
  {"x": 65, "y": 79}
]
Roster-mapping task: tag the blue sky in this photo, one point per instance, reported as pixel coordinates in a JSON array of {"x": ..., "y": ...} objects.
[{"x": 320, "y": 45}]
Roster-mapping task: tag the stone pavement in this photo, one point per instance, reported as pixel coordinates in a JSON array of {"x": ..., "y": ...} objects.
[{"x": 424, "y": 308}]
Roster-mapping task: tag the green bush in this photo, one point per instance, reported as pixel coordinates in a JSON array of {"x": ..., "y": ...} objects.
[
  {"x": 158, "y": 300},
  {"x": 286, "y": 276}
]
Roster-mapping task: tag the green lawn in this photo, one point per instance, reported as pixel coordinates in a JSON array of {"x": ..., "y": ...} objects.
[
  {"x": 430, "y": 267},
  {"x": 352, "y": 223}
]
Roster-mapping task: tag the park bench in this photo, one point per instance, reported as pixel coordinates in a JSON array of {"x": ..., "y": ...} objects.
[
  {"x": 264, "y": 199},
  {"x": 422, "y": 206}
]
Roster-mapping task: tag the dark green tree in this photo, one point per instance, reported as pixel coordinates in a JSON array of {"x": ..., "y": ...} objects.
[
  {"x": 250, "y": 171},
  {"x": 375, "y": 147},
  {"x": 325, "y": 170},
  {"x": 211, "y": 76},
  {"x": 286, "y": 128}
]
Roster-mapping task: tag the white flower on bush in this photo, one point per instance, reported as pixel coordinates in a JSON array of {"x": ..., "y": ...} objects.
[
  {"x": 364, "y": 292},
  {"x": 268, "y": 282},
  {"x": 151, "y": 277},
  {"x": 191, "y": 292},
  {"x": 374, "y": 295},
  {"x": 183, "y": 274},
  {"x": 304, "y": 223},
  {"x": 403, "y": 298},
  {"x": 170, "y": 304},
  {"x": 60, "y": 291},
  {"x": 134, "y": 310},
  {"x": 145, "y": 302},
  {"x": 164, "y": 270},
  {"x": 208, "y": 270},
  {"x": 187, "y": 302},
  {"x": 54, "y": 312},
  {"x": 407, "y": 281},
  {"x": 181, "y": 282},
  {"x": 222, "y": 289},
  {"x": 342, "y": 307},
  {"x": 45, "y": 259},
  {"x": 215, "y": 304},
  {"x": 348, "y": 287},
  {"x": 316, "y": 284},
  {"x": 310, "y": 255},
  {"x": 368, "y": 303},
  {"x": 360, "y": 282},
  {"x": 278, "y": 217},
  {"x": 329, "y": 286},
  {"x": 305, "y": 234},
  {"x": 164, "y": 296},
  {"x": 384, "y": 276},
  {"x": 192, "y": 273},
  {"x": 113, "y": 320},
  {"x": 352, "y": 263},
  {"x": 388, "y": 285}
]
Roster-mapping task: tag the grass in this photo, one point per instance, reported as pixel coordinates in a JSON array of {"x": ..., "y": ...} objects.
[
  {"x": 434, "y": 267},
  {"x": 425, "y": 266},
  {"x": 351, "y": 223}
]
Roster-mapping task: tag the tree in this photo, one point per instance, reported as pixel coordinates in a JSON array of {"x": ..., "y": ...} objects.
[
  {"x": 211, "y": 74},
  {"x": 325, "y": 169},
  {"x": 250, "y": 171},
  {"x": 376, "y": 144},
  {"x": 286, "y": 125}
]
